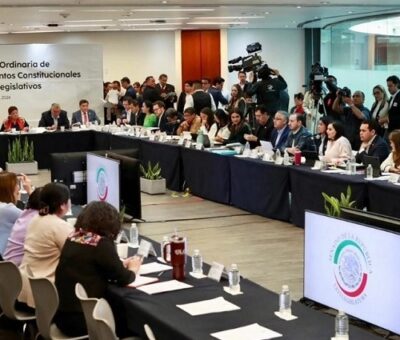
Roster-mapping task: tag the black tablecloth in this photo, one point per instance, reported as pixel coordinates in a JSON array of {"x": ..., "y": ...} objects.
[
  {"x": 207, "y": 174},
  {"x": 257, "y": 306},
  {"x": 169, "y": 157},
  {"x": 383, "y": 198},
  {"x": 260, "y": 187},
  {"x": 307, "y": 185}
]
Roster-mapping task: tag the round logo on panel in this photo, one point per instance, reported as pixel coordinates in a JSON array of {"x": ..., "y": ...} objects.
[
  {"x": 102, "y": 184},
  {"x": 352, "y": 267}
]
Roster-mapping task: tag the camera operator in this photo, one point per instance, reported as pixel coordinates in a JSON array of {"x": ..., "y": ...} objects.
[
  {"x": 353, "y": 112},
  {"x": 268, "y": 89},
  {"x": 329, "y": 99}
]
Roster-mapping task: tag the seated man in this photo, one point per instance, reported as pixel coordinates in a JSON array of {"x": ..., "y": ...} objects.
[
  {"x": 174, "y": 119},
  {"x": 84, "y": 115},
  {"x": 281, "y": 131},
  {"x": 54, "y": 118},
  {"x": 299, "y": 138},
  {"x": 371, "y": 143},
  {"x": 131, "y": 115},
  {"x": 192, "y": 122},
  {"x": 265, "y": 125}
]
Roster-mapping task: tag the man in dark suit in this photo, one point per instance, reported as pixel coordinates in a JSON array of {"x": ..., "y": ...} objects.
[
  {"x": 159, "y": 110},
  {"x": 150, "y": 92},
  {"x": 393, "y": 84},
  {"x": 129, "y": 90},
  {"x": 84, "y": 115},
  {"x": 243, "y": 83},
  {"x": 216, "y": 91},
  {"x": 281, "y": 131},
  {"x": 265, "y": 125},
  {"x": 54, "y": 118},
  {"x": 371, "y": 143},
  {"x": 167, "y": 91},
  {"x": 131, "y": 114}
]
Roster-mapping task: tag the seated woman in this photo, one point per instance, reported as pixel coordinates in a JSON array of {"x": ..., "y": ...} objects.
[
  {"x": 237, "y": 127},
  {"x": 92, "y": 246},
  {"x": 321, "y": 140},
  {"x": 150, "y": 119},
  {"x": 392, "y": 162},
  {"x": 338, "y": 148},
  {"x": 15, "y": 246},
  {"x": 9, "y": 195},
  {"x": 14, "y": 121},
  {"x": 222, "y": 120},
  {"x": 45, "y": 237},
  {"x": 208, "y": 125}
]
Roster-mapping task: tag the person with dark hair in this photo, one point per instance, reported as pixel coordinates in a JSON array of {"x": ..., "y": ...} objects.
[
  {"x": 187, "y": 89},
  {"x": 208, "y": 125},
  {"x": 222, "y": 120},
  {"x": 199, "y": 99},
  {"x": 339, "y": 147},
  {"x": 150, "y": 91},
  {"x": 174, "y": 119},
  {"x": 91, "y": 246},
  {"x": 321, "y": 139},
  {"x": 159, "y": 110},
  {"x": 238, "y": 127},
  {"x": 131, "y": 115},
  {"x": 268, "y": 89},
  {"x": 393, "y": 84},
  {"x": 264, "y": 128},
  {"x": 15, "y": 247},
  {"x": 205, "y": 84},
  {"x": 9, "y": 196},
  {"x": 237, "y": 100},
  {"x": 167, "y": 91},
  {"x": 54, "y": 118},
  {"x": 84, "y": 115},
  {"x": 379, "y": 109},
  {"x": 353, "y": 112},
  {"x": 192, "y": 122},
  {"x": 392, "y": 162},
  {"x": 243, "y": 83},
  {"x": 129, "y": 90},
  {"x": 299, "y": 137},
  {"x": 216, "y": 91},
  {"x": 45, "y": 237},
  {"x": 371, "y": 143},
  {"x": 150, "y": 119},
  {"x": 14, "y": 121}
]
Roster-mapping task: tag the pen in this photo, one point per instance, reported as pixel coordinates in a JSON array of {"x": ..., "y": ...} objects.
[{"x": 160, "y": 273}]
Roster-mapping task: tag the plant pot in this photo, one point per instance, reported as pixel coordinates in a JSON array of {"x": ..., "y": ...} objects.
[
  {"x": 27, "y": 168},
  {"x": 152, "y": 187}
]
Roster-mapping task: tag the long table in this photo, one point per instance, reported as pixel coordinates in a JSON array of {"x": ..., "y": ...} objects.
[{"x": 262, "y": 188}]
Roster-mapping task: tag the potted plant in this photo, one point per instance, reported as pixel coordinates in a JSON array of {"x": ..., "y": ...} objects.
[
  {"x": 21, "y": 157},
  {"x": 151, "y": 182},
  {"x": 332, "y": 204}
]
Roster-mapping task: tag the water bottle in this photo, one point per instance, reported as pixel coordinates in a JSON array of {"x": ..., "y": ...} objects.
[
  {"x": 286, "y": 159},
  {"x": 370, "y": 171},
  {"x": 285, "y": 303},
  {"x": 200, "y": 137},
  {"x": 353, "y": 166},
  {"x": 278, "y": 156},
  {"x": 197, "y": 262},
  {"x": 247, "y": 151},
  {"x": 234, "y": 278},
  {"x": 134, "y": 234},
  {"x": 341, "y": 325}
]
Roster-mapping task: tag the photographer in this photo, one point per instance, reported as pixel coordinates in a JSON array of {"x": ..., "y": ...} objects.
[
  {"x": 268, "y": 89},
  {"x": 353, "y": 111}
]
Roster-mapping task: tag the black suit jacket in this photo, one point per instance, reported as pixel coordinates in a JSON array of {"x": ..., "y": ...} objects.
[
  {"x": 282, "y": 141},
  {"x": 170, "y": 100},
  {"x": 162, "y": 123},
  {"x": 47, "y": 120},
  {"x": 394, "y": 114},
  {"x": 378, "y": 148}
]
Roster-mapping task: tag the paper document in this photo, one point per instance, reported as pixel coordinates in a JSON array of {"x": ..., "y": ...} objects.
[
  {"x": 267, "y": 146},
  {"x": 153, "y": 267},
  {"x": 142, "y": 280},
  {"x": 162, "y": 287},
  {"x": 217, "y": 305},
  {"x": 250, "y": 332}
]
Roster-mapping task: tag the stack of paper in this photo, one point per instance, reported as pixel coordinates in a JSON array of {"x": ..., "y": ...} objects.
[
  {"x": 142, "y": 280},
  {"x": 216, "y": 305},
  {"x": 153, "y": 267},
  {"x": 163, "y": 287},
  {"x": 250, "y": 332}
]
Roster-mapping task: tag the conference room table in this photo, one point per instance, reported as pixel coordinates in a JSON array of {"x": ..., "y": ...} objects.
[
  {"x": 383, "y": 198},
  {"x": 135, "y": 308}
]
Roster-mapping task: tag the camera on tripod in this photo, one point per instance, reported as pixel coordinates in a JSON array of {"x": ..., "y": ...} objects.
[
  {"x": 317, "y": 76},
  {"x": 251, "y": 62},
  {"x": 344, "y": 92}
]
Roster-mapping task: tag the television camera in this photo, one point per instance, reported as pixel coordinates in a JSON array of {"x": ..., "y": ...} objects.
[{"x": 251, "y": 62}]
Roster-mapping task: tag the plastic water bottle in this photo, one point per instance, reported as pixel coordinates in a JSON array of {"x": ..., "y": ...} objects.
[
  {"x": 234, "y": 278},
  {"x": 200, "y": 137},
  {"x": 370, "y": 171},
  {"x": 353, "y": 166},
  {"x": 134, "y": 234},
  {"x": 247, "y": 151},
  {"x": 278, "y": 156},
  {"x": 285, "y": 303},
  {"x": 341, "y": 325},
  {"x": 286, "y": 159},
  {"x": 197, "y": 262}
]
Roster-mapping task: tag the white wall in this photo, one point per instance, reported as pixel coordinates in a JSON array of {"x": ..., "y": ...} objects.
[
  {"x": 282, "y": 49},
  {"x": 133, "y": 54}
]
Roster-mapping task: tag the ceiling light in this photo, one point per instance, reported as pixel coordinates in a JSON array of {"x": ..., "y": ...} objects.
[
  {"x": 218, "y": 23},
  {"x": 227, "y": 18},
  {"x": 164, "y": 2},
  {"x": 151, "y": 24},
  {"x": 101, "y": 10},
  {"x": 51, "y": 10},
  {"x": 388, "y": 26},
  {"x": 298, "y": 7},
  {"x": 91, "y": 25},
  {"x": 267, "y": 13},
  {"x": 149, "y": 19},
  {"x": 350, "y": 12},
  {"x": 89, "y": 20},
  {"x": 183, "y": 9},
  {"x": 38, "y": 31}
]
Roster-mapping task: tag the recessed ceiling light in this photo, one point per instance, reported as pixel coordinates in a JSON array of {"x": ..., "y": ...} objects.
[
  {"x": 218, "y": 23},
  {"x": 164, "y": 2},
  {"x": 91, "y": 25},
  {"x": 179, "y": 9},
  {"x": 298, "y": 7},
  {"x": 266, "y": 13},
  {"x": 324, "y": 2},
  {"x": 228, "y": 18},
  {"x": 149, "y": 19},
  {"x": 350, "y": 12},
  {"x": 89, "y": 20}
]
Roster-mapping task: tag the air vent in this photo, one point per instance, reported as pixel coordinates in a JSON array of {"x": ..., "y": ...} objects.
[{"x": 52, "y": 25}]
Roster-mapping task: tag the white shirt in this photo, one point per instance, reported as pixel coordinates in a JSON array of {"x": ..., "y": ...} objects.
[{"x": 392, "y": 99}]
